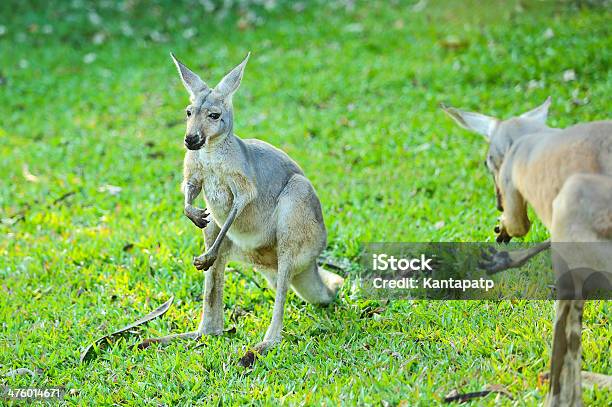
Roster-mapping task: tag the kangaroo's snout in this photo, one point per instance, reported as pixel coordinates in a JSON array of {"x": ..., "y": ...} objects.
[{"x": 194, "y": 141}]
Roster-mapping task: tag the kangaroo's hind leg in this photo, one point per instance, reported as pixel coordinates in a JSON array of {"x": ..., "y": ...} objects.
[
  {"x": 300, "y": 236},
  {"x": 211, "y": 322},
  {"x": 581, "y": 214}
]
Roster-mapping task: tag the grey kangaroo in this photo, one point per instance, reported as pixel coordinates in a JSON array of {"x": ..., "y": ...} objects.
[
  {"x": 264, "y": 210},
  {"x": 566, "y": 176}
]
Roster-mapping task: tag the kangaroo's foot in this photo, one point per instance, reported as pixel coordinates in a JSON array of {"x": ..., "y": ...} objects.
[
  {"x": 193, "y": 335},
  {"x": 258, "y": 350},
  {"x": 197, "y": 216},
  {"x": 169, "y": 338},
  {"x": 591, "y": 379},
  {"x": 205, "y": 261}
]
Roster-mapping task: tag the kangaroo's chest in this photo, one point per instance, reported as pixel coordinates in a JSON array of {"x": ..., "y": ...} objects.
[
  {"x": 218, "y": 181},
  {"x": 217, "y": 193}
]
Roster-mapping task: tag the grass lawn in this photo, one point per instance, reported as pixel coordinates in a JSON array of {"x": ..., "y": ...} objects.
[{"x": 93, "y": 237}]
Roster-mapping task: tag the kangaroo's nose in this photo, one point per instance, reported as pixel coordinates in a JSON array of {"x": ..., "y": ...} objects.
[
  {"x": 192, "y": 138},
  {"x": 194, "y": 141}
]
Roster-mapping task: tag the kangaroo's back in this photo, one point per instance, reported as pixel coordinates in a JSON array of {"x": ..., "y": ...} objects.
[
  {"x": 595, "y": 137},
  {"x": 272, "y": 167},
  {"x": 545, "y": 161}
]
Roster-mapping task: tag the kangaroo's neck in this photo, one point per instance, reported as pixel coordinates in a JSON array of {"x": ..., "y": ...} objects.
[
  {"x": 220, "y": 155},
  {"x": 220, "y": 144}
]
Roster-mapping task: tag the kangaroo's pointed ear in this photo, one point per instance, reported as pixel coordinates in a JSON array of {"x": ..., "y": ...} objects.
[
  {"x": 540, "y": 113},
  {"x": 192, "y": 82},
  {"x": 479, "y": 123},
  {"x": 230, "y": 83}
]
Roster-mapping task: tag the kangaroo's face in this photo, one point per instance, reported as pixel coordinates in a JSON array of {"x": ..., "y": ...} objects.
[
  {"x": 210, "y": 116},
  {"x": 501, "y": 134}
]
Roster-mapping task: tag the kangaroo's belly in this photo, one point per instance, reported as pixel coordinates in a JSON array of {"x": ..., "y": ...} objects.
[{"x": 247, "y": 241}]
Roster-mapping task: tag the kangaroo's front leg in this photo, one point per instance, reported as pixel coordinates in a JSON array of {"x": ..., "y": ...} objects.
[
  {"x": 514, "y": 219},
  {"x": 206, "y": 260},
  {"x": 242, "y": 196},
  {"x": 198, "y": 216}
]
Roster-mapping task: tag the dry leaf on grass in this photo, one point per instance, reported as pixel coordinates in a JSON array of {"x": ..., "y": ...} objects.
[{"x": 88, "y": 352}]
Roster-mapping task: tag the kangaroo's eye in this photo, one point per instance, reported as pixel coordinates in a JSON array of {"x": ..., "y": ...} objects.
[
  {"x": 188, "y": 111},
  {"x": 214, "y": 116}
]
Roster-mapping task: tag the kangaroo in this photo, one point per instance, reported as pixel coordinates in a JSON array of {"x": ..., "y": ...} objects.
[
  {"x": 264, "y": 210},
  {"x": 566, "y": 176}
]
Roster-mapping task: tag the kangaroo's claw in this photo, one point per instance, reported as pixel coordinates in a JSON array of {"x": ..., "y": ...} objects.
[
  {"x": 197, "y": 216},
  {"x": 502, "y": 234},
  {"x": 164, "y": 340}
]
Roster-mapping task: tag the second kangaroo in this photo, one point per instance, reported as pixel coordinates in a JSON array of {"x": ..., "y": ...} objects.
[{"x": 264, "y": 210}]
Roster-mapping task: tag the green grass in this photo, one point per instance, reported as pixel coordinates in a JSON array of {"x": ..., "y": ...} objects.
[{"x": 351, "y": 95}]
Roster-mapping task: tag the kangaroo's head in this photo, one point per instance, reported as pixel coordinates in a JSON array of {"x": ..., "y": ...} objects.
[
  {"x": 501, "y": 134},
  {"x": 210, "y": 116}
]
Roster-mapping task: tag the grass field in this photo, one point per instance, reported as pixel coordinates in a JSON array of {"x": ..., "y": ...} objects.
[{"x": 93, "y": 237}]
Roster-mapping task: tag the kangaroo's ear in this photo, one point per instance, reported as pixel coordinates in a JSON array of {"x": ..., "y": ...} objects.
[
  {"x": 192, "y": 82},
  {"x": 230, "y": 83},
  {"x": 476, "y": 122},
  {"x": 540, "y": 113}
]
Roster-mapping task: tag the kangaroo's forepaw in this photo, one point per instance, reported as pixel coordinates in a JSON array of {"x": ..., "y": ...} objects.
[
  {"x": 205, "y": 261},
  {"x": 197, "y": 216},
  {"x": 502, "y": 234},
  {"x": 494, "y": 261}
]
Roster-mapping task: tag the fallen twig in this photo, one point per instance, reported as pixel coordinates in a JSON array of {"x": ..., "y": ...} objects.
[
  {"x": 455, "y": 396},
  {"x": 463, "y": 397}
]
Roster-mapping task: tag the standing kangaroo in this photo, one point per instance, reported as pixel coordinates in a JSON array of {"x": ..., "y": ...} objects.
[
  {"x": 264, "y": 210},
  {"x": 566, "y": 176}
]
